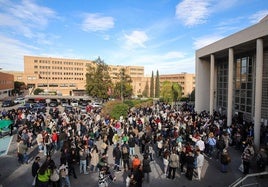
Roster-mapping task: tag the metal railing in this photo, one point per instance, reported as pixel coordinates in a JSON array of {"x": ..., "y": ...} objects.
[{"x": 239, "y": 181}]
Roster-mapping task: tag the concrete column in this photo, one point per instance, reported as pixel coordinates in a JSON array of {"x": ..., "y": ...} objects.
[
  {"x": 230, "y": 86},
  {"x": 258, "y": 92},
  {"x": 211, "y": 94}
]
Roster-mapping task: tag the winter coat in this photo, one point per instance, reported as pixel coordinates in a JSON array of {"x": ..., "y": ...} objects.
[
  {"x": 94, "y": 158},
  {"x": 146, "y": 168}
]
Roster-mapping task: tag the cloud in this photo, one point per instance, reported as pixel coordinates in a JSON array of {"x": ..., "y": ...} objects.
[
  {"x": 193, "y": 12},
  {"x": 95, "y": 22},
  {"x": 205, "y": 40},
  {"x": 136, "y": 39},
  {"x": 255, "y": 18},
  {"x": 25, "y": 18},
  {"x": 12, "y": 52}
]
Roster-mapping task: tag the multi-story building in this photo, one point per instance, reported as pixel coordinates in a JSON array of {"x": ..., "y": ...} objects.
[
  {"x": 6, "y": 85},
  {"x": 232, "y": 76},
  {"x": 185, "y": 80},
  {"x": 67, "y": 76}
]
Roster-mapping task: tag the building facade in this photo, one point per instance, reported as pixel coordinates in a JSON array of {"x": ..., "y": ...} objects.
[
  {"x": 186, "y": 80},
  {"x": 6, "y": 85},
  {"x": 68, "y": 76},
  {"x": 232, "y": 76}
]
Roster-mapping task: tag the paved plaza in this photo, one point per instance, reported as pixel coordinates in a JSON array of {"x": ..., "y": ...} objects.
[{"x": 14, "y": 175}]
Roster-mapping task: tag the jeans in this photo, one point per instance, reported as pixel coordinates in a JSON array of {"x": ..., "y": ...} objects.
[
  {"x": 116, "y": 164},
  {"x": 83, "y": 166},
  {"x": 131, "y": 151},
  {"x": 65, "y": 181}
]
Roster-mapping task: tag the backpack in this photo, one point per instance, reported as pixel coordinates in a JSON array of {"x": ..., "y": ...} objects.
[
  {"x": 55, "y": 176},
  {"x": 124, "y": 149}
]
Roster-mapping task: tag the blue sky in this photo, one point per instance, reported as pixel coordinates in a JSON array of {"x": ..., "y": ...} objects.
[{"x": 157, "y": 34}]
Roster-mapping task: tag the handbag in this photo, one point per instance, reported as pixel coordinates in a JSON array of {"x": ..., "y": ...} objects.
[{"x": 55, "y": 176}]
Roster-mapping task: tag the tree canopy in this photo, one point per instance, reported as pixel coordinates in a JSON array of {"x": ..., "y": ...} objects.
[
  {"x": 170, "y": 92},
  {"x": 98, "y": 80}
]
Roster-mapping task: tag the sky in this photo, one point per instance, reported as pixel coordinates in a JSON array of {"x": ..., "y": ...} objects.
[{"x": 160, "y": 35}]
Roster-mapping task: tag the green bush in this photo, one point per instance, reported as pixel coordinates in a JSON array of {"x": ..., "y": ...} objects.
[{"x": 119, "y": 110}]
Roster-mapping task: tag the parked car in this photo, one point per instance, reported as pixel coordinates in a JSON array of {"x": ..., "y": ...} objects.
[
  {"x": 64, "y": 102},
  {"x": 74, "y": 103},
  {"x": 26, "y": 106},
  {"x": 19, "y": 100},
  {"x": 8, "y": 103},
  {"x": 96, "y": 105},
  {"x": 53, "y": 103},
  {"x": 37, "y": 107},
  {"x": 69, "y": 109}
]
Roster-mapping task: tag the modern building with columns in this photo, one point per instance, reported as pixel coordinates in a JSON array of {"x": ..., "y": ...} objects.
[{"x": 232, "y": 76}]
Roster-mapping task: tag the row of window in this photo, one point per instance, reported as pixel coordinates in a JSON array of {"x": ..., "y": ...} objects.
[
  {"x": 56, "y": 85},
  {"x": 59, "y": 62}
]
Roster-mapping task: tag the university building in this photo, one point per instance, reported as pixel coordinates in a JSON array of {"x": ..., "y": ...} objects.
[
  {"x": 67, "y": 76},
  {"x": 232, "y": 76}
]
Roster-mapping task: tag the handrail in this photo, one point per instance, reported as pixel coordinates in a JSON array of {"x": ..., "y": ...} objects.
[{"x": 241, "y": 179}]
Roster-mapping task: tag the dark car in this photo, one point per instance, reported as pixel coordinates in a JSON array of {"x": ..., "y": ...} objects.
[
  {"x": 26, "y": 106},
  {"x": 8, "y": 103},
  {"x": 53, "y": 103},
  {"x": 69, "y": 109},
  {"x": 37, "y": 107}
]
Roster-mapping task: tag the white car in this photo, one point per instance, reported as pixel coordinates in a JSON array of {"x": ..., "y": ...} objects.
[
  {"x": 19, "y": 100},
  {"x": 96, "y": 105},
  {"x": 74, "y": 103}
]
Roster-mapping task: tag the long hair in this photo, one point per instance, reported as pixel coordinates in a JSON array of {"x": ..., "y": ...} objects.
[{"x": 43, "y": 168}]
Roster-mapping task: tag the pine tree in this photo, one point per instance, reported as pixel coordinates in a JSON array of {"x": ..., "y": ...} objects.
[
  {"x": 152, "y": 86},
  {"x": 157, "y": 85}
]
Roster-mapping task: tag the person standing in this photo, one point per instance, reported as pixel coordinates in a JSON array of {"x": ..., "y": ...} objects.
[
  {"x": 225, "y": 160},
  {"x": 146, "y": 168},
  {"x": 200, "y": 163},
  {"x": 83, "y": 161},
  {"x": 125, "y": 157},
  {"x": 35, "y": 168},
  {"x": 22, "y": 152},
  {"x": 94, "y": 158},
  {"x": 43, "y": 175},
  {"x": 138, "y": 176},
  {"x": 117, "y": 156},
  {"x": 246, "y": 157},
  {"x": 173, "y": 164},
  {"x": 190, "y": 165},
  {"x": 261, "y": 160}
]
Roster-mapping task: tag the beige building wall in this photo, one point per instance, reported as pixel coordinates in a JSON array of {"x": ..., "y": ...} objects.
[
  {"x": 67, "y": 76},
  {"x": 186, "y": 80}
]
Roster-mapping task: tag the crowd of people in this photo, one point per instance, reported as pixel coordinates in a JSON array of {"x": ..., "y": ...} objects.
[{"x": 176, "y": 135}]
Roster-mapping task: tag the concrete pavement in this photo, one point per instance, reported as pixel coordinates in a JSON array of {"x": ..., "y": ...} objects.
[{"x": 14, "y": 174}]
